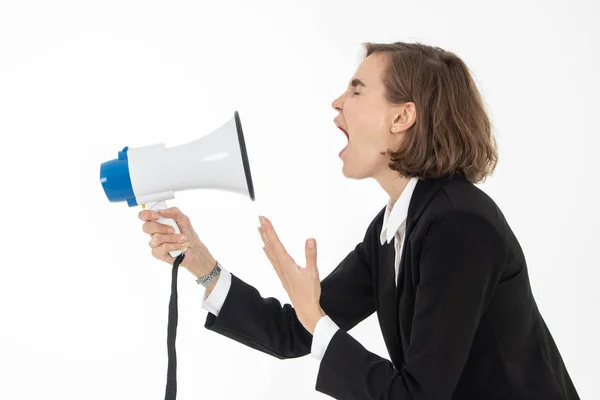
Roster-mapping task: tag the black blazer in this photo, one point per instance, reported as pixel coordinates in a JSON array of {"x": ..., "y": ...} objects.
[{"x": 462, "y": 322}]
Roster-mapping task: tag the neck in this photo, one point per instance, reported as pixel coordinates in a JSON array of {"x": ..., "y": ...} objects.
[{"x": 393, "y": 183}]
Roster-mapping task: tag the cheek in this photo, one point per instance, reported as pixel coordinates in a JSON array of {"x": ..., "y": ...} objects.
[
  {"x": 371, "y": 136},
  {"x": 366, "y": 122},
  {"x": 370, "y": 120}
]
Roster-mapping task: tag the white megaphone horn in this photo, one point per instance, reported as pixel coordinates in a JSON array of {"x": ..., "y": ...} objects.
[{"x": 150, "y": 175}]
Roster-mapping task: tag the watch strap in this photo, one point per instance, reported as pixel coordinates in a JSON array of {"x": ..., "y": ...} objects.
[{"x": 208, "y": 279}]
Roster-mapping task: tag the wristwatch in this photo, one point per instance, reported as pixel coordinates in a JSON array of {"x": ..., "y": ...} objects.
[{"x": 207, "y": 280}]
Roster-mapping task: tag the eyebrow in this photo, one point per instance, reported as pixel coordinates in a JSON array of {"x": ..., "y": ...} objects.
[{"x": 357, "y": 82}]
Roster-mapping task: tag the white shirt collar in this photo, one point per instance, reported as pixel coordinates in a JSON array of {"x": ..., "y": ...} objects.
[{"x": 395, "y": 215}]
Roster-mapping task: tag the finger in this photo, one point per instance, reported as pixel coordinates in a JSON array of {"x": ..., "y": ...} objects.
[
  {"x": 273, "y": 241},
  {"x": 160, "y": 238},
  {"x": 269, "y": 250},
  {"x": 271, "y": 259},
  {"x": 162, "y": 251},
  {"x": 162, "y": 255},
  {"x": 152, "y": 227},
  {"x": 275, "y": 264},
  {"x": 182, "y": 220},
  {"x": 311, "y": 253},
  {"x": 311, "y": 257},
  {"x": 175, "y": 214},
  {"x": 148, "y": 215}
]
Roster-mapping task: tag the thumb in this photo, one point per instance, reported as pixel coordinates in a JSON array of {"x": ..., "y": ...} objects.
[
  {"x": 311, "y": 255},
  {"x": 182, "y": 220}
]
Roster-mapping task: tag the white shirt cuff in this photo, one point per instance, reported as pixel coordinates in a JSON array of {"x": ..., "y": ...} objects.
[
  {"x": 324, "y": 331},
  {"x": 216, "y": 298}
]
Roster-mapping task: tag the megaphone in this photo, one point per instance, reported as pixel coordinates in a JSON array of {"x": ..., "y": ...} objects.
[{"x": 150, "y": 175}]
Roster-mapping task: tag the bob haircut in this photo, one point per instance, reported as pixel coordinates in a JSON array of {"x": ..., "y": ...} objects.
[{"x": 452, "y": 132}]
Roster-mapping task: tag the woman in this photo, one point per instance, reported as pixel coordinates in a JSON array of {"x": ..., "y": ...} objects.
[{"x": 439, "y": 264}]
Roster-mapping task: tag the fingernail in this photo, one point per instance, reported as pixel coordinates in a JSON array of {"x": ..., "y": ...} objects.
[
  {"x": 170, "y": 230},
  {"x": 181, "y": 237},
  {"x": 311, "y": 243}
]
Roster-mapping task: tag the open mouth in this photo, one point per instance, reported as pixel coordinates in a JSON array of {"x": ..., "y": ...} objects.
[{"x": 347, "y": 137}]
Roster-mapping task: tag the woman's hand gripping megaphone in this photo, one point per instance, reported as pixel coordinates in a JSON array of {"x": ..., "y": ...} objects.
[
  {"x": 159, "y": 206},
  {"x": 171, "y": 233}
]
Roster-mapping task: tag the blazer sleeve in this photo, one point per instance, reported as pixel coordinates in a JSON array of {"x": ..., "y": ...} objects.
[
  {"x": 461, "y": 262},
  {"x": 266, "y": 325}
]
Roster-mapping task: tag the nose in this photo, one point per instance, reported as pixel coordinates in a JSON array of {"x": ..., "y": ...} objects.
[{"x": 337, "y": 103}]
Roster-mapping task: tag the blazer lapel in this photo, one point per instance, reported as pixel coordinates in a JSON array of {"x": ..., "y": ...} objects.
[
  {"x": 424, "y": 192},
  {"x": 389, "y": 291},
  {"x": 387, "y": 302}
]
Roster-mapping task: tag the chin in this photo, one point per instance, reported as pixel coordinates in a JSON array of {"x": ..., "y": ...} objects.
[{"x": 353, "y": 174}]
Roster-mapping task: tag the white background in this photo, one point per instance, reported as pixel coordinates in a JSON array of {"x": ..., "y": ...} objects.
[{"x": 83, "y": 305}]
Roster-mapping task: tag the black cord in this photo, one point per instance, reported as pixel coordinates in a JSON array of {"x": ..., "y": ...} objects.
[{"x": 171, "y": 389}]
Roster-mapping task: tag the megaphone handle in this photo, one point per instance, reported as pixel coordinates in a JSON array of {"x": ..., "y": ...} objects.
[{"x": 162, "y": 205}]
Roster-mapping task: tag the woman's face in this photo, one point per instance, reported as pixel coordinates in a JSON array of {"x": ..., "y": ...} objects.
[{"x": 368, "y": 119}]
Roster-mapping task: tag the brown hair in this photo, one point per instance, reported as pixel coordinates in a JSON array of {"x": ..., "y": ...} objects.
[{"x": 452, "y": 132}]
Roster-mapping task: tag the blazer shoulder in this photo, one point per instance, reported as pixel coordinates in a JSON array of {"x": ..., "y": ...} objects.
[
  {"x": 466, "y": 196},
  {"x": 463, "y": 200},
  {"x": 462, "y": 229}
]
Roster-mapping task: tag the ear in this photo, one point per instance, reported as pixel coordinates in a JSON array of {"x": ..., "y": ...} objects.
[{"x": 405, "y": 116}]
